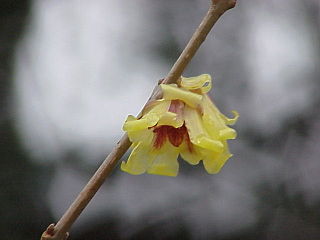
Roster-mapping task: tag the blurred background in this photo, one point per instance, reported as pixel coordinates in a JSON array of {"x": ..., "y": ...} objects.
[{"x": 71, "y": 71}]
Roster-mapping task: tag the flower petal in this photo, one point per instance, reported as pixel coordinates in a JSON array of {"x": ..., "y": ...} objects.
[
  {"x": 202, "y": 82},
  {"x": 133, "y": 124},
  {"x": 227, "y": 133},
  {"x": 197, "y": 133},
  {"x": 165, "y": 162},
  {"x": 157, "y": 107},
  {"x": 145, "y": 137},
  {"x": 230, "y": 121},
  {"x": 192, "y": 156},
  {"x": 150, "y": 119},
  {"x": 172, "y": 93},
  {"x": 213, "y": 161},
  {"x": 207, "y": 143},
  {"x": 213, "y": 107},
  {"x": 170, "y": 119},
  {"x": 139, "y": 160},
  {"x": 214, "y": 123}
]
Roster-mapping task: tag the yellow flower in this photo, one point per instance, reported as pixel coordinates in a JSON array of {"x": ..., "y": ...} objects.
[{"x": 186, "y": 122}]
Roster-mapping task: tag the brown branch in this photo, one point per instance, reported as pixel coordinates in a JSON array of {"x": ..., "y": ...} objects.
[
  {"x": 59, "y": 231},
  {"x": 217, "y": 8}
]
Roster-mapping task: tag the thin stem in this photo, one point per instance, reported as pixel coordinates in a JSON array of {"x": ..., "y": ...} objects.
[
  {"x": 217, "y": 8},
  {"x": 59, "y": 231}
]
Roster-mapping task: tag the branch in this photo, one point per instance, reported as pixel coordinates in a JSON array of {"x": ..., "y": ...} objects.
[
  {"x": 217, "y": 8},
  {"x": 60, "y": 230}
]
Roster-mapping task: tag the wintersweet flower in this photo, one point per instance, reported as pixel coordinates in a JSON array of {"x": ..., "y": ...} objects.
[{"x": 186, "y": 122}]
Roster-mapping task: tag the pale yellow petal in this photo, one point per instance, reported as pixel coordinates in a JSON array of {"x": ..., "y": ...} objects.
[
  {"x": 172, "y": 93},
  {"x": 208, "y": 143},
  {"x": 192, "y": 156},
  {"x": 202, "y": 82},
  {"x": 150, "y": 119},
  {"x": 227, "y": 133},
  {"x": 158, "y": 107},
  {"x": 197, "y": 133},
  {"x": 214, "y": 123},
  {"x": 144, "y": 136},
  {"x": 170, "y": 119},
  {"x": 139, "y": 160},
  {"x": 165, "y": 163},
  {"x": 230, "y": 121},
  {"x": 211, "y": 107},
  {"x": 140, "y": 124},
  {"x": 213, "y": 161}
]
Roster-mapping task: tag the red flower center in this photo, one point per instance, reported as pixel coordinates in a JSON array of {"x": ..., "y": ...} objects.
[{"x": 175, "y": 135}]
